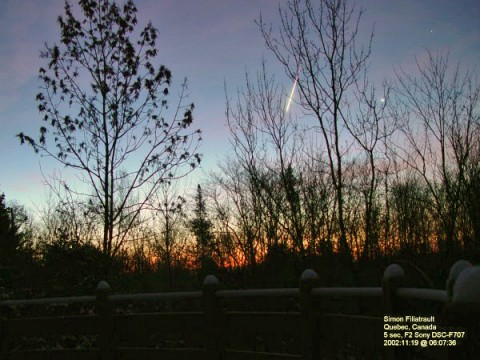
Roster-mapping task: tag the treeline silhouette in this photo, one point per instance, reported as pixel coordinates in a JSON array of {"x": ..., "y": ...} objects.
[{"x": 251, "y": 229}]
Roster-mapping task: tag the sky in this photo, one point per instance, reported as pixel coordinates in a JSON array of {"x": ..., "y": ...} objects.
[{"x": 211, "y": 43}]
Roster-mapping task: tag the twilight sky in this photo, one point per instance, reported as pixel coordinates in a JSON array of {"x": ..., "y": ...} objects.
[{"x": 209, "y": 42}]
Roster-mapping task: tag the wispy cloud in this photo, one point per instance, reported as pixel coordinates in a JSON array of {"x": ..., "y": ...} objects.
[{"x": 24, "y": 26}]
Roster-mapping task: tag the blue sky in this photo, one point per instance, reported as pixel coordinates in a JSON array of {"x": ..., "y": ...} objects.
[{"x": 208, "y": 42}]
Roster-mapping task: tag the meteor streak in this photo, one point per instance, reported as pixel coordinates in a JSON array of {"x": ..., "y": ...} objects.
[{"x": 289, "y": 101}]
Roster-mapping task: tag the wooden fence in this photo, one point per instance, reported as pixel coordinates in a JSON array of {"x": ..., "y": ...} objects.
[{"x": 308, "y": 322}]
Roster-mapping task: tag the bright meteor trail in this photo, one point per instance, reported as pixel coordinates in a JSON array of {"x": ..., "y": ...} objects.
[
  {"x": 290, "y": 98},
  {"x": 289, "y": 101}
]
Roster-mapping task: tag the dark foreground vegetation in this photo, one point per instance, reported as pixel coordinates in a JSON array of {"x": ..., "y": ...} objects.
[{"x": 32, "y": 267}]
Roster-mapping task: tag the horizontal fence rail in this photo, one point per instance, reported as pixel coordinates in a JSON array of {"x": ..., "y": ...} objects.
[
  {"x": 155, "y": 296},
  {"x": 49, "y": 301},
  {"x": 366, "y": 292},
  {"x": 423, "y": 294},
  {"x": 257, "y": 293},
  {"x": 308, "y": 322}
]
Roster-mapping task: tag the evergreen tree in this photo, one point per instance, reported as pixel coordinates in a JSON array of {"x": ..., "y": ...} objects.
[
  {"x": 11, "y": 238},
  {"x": 201, "y": 227}
]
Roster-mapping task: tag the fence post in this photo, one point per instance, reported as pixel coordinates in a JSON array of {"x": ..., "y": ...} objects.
[
  {"x": 455, "y": 271},
  {"x": 5, "y": 342},
  {"x": 212, "y": 311},
  {"x": 393, "y": 278},
  {"x": 309, "y": 280},
  {"x": 463, "y": 309},
  {"x": 105, "y": 326}
]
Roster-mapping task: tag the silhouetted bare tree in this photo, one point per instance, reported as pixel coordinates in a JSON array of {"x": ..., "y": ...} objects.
[
  {"x": 317, "y": 44},
  {"x": 438, "y": 111}
]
